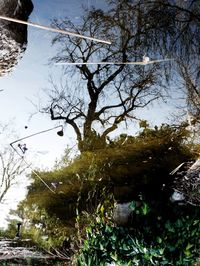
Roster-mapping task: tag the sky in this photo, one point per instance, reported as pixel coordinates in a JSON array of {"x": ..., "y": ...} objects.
[
  {"x": 22, "y": 89},
  {"x": 22, "y": 93}
]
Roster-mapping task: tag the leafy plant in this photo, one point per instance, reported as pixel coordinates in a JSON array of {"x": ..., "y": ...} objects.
[{"x": 154, "y": 240}]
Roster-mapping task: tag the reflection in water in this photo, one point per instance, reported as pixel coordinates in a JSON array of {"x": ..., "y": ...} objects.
[
  {"x": 122, "y": 181},
  {"x": 13, "y": 37}
]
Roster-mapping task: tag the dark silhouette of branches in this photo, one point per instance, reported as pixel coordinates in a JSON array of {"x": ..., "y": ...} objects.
[
  {"x": 11, "y": 167},
  {"x": 107, "y": 95},
  {"x": 190, "y": 74}
]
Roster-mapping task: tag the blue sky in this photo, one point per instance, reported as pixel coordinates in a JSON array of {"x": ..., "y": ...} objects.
[
  {"x": 23, "y": 86},
  {"x": 22, "y": 89}
]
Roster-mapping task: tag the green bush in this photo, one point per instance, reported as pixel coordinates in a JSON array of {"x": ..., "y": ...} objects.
[
  {"x": 168, "y": 236},
  {"x": 142, "y": 162}
]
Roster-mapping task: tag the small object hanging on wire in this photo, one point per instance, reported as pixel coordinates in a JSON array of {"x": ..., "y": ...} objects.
[
  {"x": 145, "y": 61},
  {"x": 23, "y": 147}
]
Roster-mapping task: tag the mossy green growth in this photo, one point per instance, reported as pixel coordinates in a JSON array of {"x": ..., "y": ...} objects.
[{"x": 143, "y": 162}]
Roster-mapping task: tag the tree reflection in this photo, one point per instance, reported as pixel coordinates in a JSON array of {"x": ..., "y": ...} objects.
[
  {"x": 128, "y": 168},
  {"x": 108, "y": 95}
]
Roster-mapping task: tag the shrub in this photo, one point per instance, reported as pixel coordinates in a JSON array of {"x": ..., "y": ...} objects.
[{"x": 161, "y": 236}]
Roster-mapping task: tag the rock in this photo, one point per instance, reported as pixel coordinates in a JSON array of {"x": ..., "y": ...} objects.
[
  {"x": 177, "y": 196},
  {"x": 121, "y": 213},
  {"x": 13, "y": 36}
]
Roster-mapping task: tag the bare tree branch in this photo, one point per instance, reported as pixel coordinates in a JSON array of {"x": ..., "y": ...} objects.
[
  {"x": 11, "y": 167},
  {"x": 109, "y": 94}
]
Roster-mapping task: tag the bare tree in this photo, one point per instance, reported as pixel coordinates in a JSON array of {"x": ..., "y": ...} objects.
[
  {"x": 109, "y": 94},
  {"x": 11, "y": 166},
  {"x": 190, "y": 74}
]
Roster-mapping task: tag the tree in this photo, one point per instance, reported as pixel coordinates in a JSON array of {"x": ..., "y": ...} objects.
[
  {"x": 132, "y": 164},
  {"x": 191, "y": 82},
  {"x": 187, "y": 58},
  {"x": 107, "y": 94},
  {"x": 11, "y": 167}
]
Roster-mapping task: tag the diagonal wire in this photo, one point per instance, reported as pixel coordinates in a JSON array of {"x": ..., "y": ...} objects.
[
  {"x": 53, "y": 29},
  {"x": 40, "y": 178}
]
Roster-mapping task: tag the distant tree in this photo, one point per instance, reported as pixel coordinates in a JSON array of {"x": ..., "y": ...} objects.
[
  {"x": 190, "y": 74},
  {"x": 11, "y": 167}
]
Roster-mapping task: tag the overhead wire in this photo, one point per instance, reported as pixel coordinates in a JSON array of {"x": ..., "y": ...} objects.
[
  {"x": 33, "y": 171},
  {"x": 53, "y": 29}
]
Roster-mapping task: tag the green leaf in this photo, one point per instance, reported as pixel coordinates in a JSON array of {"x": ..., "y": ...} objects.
[
  {"x": 195, "y": 222},
  {"x": 189, "y": 246},
  {"x": 114, "y": 256},
  {"x": 145, "y": 209},
  {"x": 187, "y": 253},
  {"x": 133, "y": 205},
  {"x": 102, "y": 209},
  {"x": 159, "y": 240}
]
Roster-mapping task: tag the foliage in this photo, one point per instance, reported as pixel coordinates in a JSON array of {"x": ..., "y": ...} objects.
[
  {"x": 157, "y": 238},
  {"x": 142, "y": 163},
  {"x": 46, "y": 231}
]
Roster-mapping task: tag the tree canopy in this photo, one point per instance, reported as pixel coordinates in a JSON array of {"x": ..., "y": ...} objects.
[
  {"x": 141, "y": 164},
  {"x": 96, "y": 99}
]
